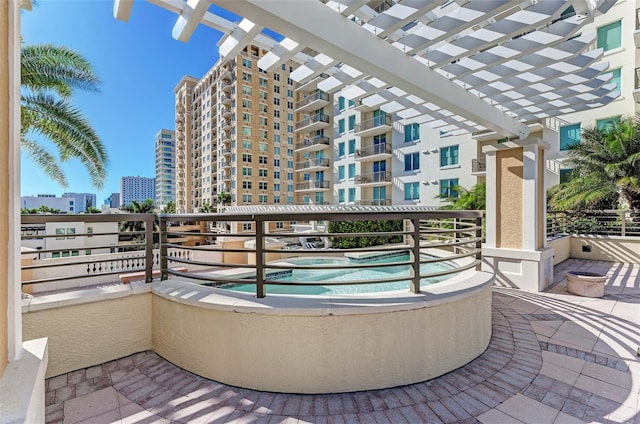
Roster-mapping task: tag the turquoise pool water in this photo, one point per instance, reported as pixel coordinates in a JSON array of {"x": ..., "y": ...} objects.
[{"x": 346, "y": 274}]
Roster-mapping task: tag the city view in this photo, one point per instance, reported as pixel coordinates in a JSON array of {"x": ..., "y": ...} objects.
[{"x": 321, "y": 211}]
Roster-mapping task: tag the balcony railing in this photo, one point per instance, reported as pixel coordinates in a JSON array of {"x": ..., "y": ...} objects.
[
  {"x": 374, "y": 177},
  {"x": 478, "y": 165},
  {"x": 376, "y": 149},
  {"x": 312, "y": 163},
  {"x": 411, "y": 239},
  {"x": 312, "y": 98},
  {"x": 311, "y": 185},
  {"x": 622, "y": 223},
  {"x": 374, "y": 202},
  {"x": 312, "y": 141},
  {"x": 372, "y": 123},
  {"x": 317, "y": 118}
]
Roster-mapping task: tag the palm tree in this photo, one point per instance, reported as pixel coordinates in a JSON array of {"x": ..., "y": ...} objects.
[
  {"x": 606, "y": 168},
  {"x": 474, "y": 199},
  {"x": 170, "y": 207},
  {"x": 224, "y": 198},
  {"x": 207, "y": 208},
  {"x": 49, "y": 75}
]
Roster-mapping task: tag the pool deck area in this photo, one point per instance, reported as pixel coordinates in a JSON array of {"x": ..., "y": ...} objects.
[{"x": 553, "y": 358}]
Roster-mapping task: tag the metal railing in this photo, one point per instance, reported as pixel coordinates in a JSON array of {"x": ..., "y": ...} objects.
[
  {"x": 312, "y": 98},
  {"x": 378, "y": 121},
  {"x": 312, "y": 141},
  {"x": 312, "y": 163},
  {"x": 312, "y": 120},
  {"x": 376, "y": 149},
  {"x": 310, "y": 185},
  {"x": 374, "y": 202},
  {"x": 623, "y": 223},
  {"x": 478, "y": 165},
  {"x": 637, "y": 79},
  {"x": 406, "y": 238},
  {"x": 374, "y": 177}
]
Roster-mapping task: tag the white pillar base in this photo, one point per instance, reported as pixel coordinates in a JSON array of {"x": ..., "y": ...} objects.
[{"x": 530, "y": 270}]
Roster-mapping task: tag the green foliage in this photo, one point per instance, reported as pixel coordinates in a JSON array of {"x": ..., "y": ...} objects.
[
  {"x": 349, "y": 242},
  {"x": 91, "y": 209},
  {"x": 474, "y": 199},
  {"x": 48, "y": 76},
  {"x": 224, "y": 198},
  {"x": 207, "y": 208},
  {"x": 606, "y": 169},
  {"x": 41, "y": 209},
  {"x": 146, "y": 206},
  {"x": 169, "y": 207}
]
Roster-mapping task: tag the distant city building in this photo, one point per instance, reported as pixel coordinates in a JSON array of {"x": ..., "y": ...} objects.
[
  {"x": 113, "y": 201},
  {"x": 82, "y": 201},
  {"x": 64, "y": 204},
  {"x": 165, "y": 167},
  {"x": 136, "y": 188}
]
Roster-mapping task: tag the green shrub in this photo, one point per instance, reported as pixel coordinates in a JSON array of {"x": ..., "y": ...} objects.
[{"x": 350, "y": 242}]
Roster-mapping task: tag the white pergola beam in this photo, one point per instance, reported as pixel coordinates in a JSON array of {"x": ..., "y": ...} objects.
[
  {"x": 122, "y": 9},
  {"x": 189, "y": 19},
  {"x": 281, "y": 52},
  {"x": 315, "y": 25},
  {"x": 241, "y": 36}
]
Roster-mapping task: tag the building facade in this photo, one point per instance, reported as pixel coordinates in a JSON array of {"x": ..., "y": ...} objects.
[
  {"x": 82, "y": 201},
  {"x": 235, "y": 135},
  {"x": 165, "y": 167},
  {"x": 64, "y": 204},
  {"x": 136, "y": 188}
]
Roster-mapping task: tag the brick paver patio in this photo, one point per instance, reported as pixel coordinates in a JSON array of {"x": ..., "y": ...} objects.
[{"x": 553, "y": 358}]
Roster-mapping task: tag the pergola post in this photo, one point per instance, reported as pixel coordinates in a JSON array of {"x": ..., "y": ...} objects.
[{"x": 516, "y": 248}]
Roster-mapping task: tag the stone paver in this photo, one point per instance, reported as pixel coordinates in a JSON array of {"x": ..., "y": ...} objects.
[{"x": 553, "y": 358}]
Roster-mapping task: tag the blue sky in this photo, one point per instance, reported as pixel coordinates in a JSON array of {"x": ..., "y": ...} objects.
[{"x": 139, "y": 64}]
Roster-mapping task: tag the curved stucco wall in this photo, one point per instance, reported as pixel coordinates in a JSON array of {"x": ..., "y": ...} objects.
[
  {"x": 322, "y": 345},
  {"x": 84, "y": 332}
]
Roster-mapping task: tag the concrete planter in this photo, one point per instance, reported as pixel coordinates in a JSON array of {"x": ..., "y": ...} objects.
[{"x": 588, "y": 284}]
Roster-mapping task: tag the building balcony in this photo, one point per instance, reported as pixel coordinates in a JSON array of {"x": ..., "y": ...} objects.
[
  {"x": 225, "y": 75},
  {"x": 320, "y": 185},
  {"x": 313, "y": 164},
  {"x": 313, "y": 144},
  {"x": 478, "y": 167},
  {"x": 373, "y": 202},
  {"x": 226, "y": 127},
  {"x": 314, "y": 101},
  {"x": 225, "y": 177},
  {"x": 225, "y": 151},
  {"x": 374, "y": 152},
  {"x": 313, "y": 123},
  {"x": 636, "y": 88},
  {"x": 373, "y": 126},
  {"x": 225, "y": 164},
  {"x": 226, "y": 100},
  {"x": 226, "y": 113},
  {"x": 361, "y": 107},
  {"x": 380, "y": 178},
  {"x": 227, "y": 87}
]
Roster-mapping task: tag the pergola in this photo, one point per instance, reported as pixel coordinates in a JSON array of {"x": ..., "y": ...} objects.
[{"x": 457, "y": 66}]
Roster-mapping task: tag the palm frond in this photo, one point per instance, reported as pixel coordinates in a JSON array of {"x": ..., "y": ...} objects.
[
  {"x": 69, "y": 130},
  {"x": 55, "y": 68},
  {"x": 45, "y": 160}
]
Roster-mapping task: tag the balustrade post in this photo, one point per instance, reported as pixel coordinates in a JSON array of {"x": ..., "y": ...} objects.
[
  {"x": 260, "y": 258},
  {"x": 479, "y": 243},
  {"x": 148, "y": 256},
  {"x": 163, "y": 249},
  {"x": 415, "y": 249},
  {"x": 623, "y": 219}
]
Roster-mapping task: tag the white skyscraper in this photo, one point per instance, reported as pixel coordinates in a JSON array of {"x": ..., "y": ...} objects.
[{"x": 136, "y": 188}]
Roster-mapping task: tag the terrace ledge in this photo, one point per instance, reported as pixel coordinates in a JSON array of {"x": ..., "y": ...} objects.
[{"x": 184, "y": 291}]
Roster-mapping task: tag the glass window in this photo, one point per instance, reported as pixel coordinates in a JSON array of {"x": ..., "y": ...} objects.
[
  {"x": 341, "y": 126},
  {"x": 448, "y": 187},
  {"x": 340, "y": 103},
  {"x": 449, "y": 156},
  {"x": 617, "y": 78},
  {"x": 607, "y": 124},
  {"x": 412, "y": 162},
  {"x": 352, "y": 146},
  {"x": 352, "y": 122},
  {"x": 341, "y": 195},
  {"x": 565, "y": 175},
  {"x": 352, "y": 170},
  {"x": 610, "y": 36},
  {"x": 341, "y": 149},
  {"x": 411, "y": 132},
  {"x": 246, "y": 62},
  {"x": 352, "y": 194},
  {"x": 412, "y": 191},
  {"x": 569, "y": 134},
  {"x": 341, "y": 172}
]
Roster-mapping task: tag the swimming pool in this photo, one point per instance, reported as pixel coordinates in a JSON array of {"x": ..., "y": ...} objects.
[{"x": 345, "y": 274}]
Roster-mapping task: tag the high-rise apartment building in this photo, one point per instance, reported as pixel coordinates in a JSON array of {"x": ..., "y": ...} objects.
[
  {"x": 136, "y": 188},
  {"x": 82, "y": 201},
  {"x": 165, "y": 167},
  {"x": 235, "y": 134}
]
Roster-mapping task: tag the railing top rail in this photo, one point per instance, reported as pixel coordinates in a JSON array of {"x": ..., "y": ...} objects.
[{"x": 97, "y": 217}]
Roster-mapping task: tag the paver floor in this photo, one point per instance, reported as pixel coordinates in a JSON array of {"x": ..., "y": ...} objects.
[{"x": 553, "y": 358}]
